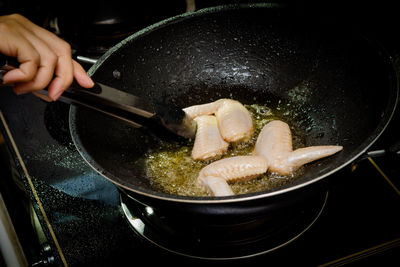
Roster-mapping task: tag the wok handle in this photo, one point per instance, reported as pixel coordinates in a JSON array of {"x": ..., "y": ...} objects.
[
  {"x": 86, "y": 60},
  {"x": 393, "y": 150}
]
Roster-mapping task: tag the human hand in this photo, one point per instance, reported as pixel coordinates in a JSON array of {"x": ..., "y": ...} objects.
[{"x": 45, "y": 59}]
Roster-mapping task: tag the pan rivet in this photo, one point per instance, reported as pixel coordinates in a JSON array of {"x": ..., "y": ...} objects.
[{"x": 117, "y": 74}]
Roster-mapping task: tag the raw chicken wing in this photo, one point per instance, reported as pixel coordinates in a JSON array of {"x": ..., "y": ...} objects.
[
  {"x": 234, "y": 120},
  {"x": 274, "y": 143},
  {"x": 216, "y": 175},
  {"x": 209, "y": 142}
]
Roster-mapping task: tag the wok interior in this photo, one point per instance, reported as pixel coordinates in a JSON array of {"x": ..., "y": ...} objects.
[{"x": 338, "y": 85}]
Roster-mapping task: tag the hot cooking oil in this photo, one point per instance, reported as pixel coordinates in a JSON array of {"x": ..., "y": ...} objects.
[{"x": 171, "y": 169}]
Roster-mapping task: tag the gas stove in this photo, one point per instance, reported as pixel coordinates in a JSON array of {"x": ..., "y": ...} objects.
[{"x": 64, "y": 213}]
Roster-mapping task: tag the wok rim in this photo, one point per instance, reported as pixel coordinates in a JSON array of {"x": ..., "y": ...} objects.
[{"x": 392, "y": 107}]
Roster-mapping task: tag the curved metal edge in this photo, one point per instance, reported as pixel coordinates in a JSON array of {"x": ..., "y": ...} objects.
[
  {"x": 139, "y": 226},
  {"x": 157, "y": 25},
  {"x": 236, "y": 198}
]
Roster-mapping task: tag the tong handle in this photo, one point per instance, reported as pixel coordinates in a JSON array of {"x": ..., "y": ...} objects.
[
  {"x": 99, "y": 94},
  {"x": 130, "y": 108}
]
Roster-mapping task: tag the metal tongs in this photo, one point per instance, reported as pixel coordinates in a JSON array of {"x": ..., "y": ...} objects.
[{"x": 135, "y": 110}]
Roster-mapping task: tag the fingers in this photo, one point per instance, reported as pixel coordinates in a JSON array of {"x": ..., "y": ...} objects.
[
  {"x": 81, "y": 76},
  {"x": 64, "y": 73},
  {"x": 45, "y": 59},
  {"x": 66, "y": 69},
  {"x": 45, "y": 70},
  {"x": 61, "y": 83},
  {"x": 15, "y": 44}
]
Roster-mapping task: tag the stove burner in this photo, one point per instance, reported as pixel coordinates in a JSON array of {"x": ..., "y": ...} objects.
[{"x": 217, "y": 242}]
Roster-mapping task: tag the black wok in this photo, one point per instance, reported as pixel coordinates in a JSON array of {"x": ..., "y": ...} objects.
[{"x": 342, "y": 85}]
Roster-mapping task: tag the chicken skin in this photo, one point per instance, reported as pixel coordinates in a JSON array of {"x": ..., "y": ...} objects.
[
  {"x": 208, "y": 142},
  {"x": 274, "y": 143},
  {"x": 215, "y": 176},
  {"x": 234, "y": 120}
]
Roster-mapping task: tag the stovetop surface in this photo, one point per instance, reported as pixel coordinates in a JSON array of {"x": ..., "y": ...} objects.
[
  {"x": 83, "y": 222},
  {"x": 82, "y": 218}
]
